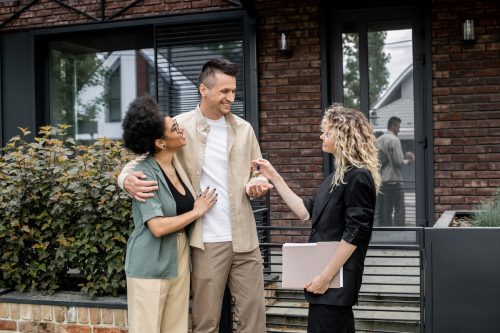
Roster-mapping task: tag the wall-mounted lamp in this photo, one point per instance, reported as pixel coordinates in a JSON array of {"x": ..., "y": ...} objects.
[
  {"x": 468, "y": 31},
  {"x": 284, "y": 44}
]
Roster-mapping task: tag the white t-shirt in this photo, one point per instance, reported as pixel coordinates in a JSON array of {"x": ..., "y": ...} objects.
[{"x": 217, "y": 221}]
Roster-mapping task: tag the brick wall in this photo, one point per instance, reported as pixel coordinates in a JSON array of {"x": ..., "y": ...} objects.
[
  {"x": 47, "y": 13},
  {"x": 61, "y": 319},
  {"x": 466, "y": 104},
  {"x": 465, "y": 79},
  {"x": 290, "y": 101}
]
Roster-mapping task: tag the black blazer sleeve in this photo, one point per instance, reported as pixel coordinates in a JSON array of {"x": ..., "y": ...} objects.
[
  {"x": 344, "y": 212},
  {"x": 359, "y": 199},
  {"x": 309, "y": 203}
]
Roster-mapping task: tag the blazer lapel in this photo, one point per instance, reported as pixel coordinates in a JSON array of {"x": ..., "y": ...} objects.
[
  {"x": 324, "y": 195},
  {"x": 184, "y": 177},
  {"x": 152, "y": 162}
]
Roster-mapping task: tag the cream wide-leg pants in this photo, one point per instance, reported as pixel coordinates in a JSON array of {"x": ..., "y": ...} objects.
[{"x": 161, "y": 305}]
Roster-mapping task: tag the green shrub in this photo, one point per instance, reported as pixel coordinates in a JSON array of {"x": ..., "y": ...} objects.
[
  {"x": 488, "y": 214},
  {"x": 60, "y": 211}
]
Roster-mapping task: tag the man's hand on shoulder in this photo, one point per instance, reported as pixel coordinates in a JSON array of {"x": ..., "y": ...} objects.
[{"x": 138, "y": 188}]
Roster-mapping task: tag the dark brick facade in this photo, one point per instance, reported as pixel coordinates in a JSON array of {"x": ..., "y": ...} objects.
[
  {"x": 290, "y": 100},
  {"x": 466, "y": 104},
  {"x": 47, "y": 13}
]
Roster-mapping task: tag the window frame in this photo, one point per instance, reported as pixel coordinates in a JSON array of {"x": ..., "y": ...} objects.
[
  {"x": 331, "y": 66},
  {"x": 42, "y": 38}
]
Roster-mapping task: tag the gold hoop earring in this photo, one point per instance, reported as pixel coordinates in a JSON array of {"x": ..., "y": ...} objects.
[{"x": 164, "y": 146}]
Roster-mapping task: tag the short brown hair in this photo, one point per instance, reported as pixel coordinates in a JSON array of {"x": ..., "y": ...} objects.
[{"x": 216, "y": 65}]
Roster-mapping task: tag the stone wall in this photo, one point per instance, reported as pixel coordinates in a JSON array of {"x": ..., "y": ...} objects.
[{"x": 34, "y": 318}]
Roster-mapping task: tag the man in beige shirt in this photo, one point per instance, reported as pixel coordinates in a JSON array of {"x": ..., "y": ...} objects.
[
  {"x": 224, "y": 246},
  {"x": 391, "y": 198}
]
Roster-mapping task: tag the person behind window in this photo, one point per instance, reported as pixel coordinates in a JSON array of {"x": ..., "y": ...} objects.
[
  {"x": 342, "y": 210},
  {"x": 391, "y": 197},
  {"x": 225, "y": 247},
  {"x": 157, "y": 257}
]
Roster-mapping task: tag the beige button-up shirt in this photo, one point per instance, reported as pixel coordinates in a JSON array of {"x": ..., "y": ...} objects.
[{"x": 242, "y": 148}]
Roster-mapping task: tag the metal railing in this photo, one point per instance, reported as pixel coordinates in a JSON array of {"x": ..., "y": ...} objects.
[{"x": 389, "y": 300}]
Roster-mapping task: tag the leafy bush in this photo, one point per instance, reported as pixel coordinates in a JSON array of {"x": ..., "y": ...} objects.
[
  {"x": 488, "y": 214},
  {"x": 61, "y": 210}
]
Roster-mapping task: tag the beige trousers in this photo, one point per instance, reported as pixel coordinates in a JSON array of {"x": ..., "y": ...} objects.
[
  {"x": 161, "y": 305},
  {"x": 212, "y": 269}
]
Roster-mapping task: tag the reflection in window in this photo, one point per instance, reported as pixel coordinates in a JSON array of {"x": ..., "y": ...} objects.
[
  {"x": 114, "y": 93},
  {"x": 86, "y": 73},
  {"x": 391, "y": 97},
  {"x": 180, "y": 60},
  {"x": 350, "y": 52},
  {"x": 85, "y": 81}
]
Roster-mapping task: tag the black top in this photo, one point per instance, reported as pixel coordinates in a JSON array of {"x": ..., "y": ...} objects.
[
  {"x": 184, "y": 203},
  {"x": 344, "y": 212}
]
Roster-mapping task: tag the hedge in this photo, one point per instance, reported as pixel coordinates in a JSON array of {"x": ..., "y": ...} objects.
[{"x": 61, "y": 211}]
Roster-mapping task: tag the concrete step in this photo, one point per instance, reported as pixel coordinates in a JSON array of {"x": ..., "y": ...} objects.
[
  {"x": 279, "y": 329},
  {"x": 389, "y": 318},
  {"x": 388, "y": 291},
  {"x": 389, "y": 298}
]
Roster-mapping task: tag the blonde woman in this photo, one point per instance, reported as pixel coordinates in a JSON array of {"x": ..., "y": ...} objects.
[{"x": 341, "y": 210}]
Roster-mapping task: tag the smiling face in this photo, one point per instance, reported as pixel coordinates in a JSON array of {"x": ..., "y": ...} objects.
[
  {"x": 217, "y": 95},
  {"x": 173, "y": 137}
]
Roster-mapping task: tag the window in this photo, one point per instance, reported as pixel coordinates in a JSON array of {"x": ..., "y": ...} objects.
[
  {"x": 85, "y": 80},
  {"x": 114, "y": 96},
  {"x": 182, "y": 51},
  {"x": 93, "y": 76},
  {"x": 374, "y": 70}
]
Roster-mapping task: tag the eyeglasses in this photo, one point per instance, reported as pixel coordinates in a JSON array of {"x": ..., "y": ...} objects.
[{"x": 175, "y": 127}]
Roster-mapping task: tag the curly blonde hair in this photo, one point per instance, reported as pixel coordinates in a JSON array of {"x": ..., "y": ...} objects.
[{"x": 354, "y": 141}]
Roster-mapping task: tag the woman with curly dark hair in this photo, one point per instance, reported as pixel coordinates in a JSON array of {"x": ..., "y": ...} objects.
[{"x": 157, "y": 259}]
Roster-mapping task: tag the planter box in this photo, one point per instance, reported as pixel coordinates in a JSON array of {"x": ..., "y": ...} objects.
[
  {"x": 62, "y": 312},
  {"x": 462, "y": 274}
]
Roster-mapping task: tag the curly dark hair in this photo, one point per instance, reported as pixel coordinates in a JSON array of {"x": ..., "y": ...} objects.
[
  {"x": 216, "y": 65},
  {"x": 142, "y": 125}
]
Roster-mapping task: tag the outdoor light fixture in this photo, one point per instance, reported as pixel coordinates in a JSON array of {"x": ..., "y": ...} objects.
[
  {"x": 284, "y": 44},
  {"x": 468, "y": 31}
]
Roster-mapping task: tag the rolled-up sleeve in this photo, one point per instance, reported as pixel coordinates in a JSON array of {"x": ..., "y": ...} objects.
[
  {"x": 152, "y": 207},
  {"x": 360, "y": 208},
  {"x": 309, "y": 203}
]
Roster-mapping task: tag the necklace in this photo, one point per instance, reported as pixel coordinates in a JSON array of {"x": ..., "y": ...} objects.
[
  {"x": 171, "y": 173},
  {"x": 172, "y": 176}
]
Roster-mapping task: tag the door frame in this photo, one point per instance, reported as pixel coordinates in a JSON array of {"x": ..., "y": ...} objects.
[{"x": 332, "y": 89}]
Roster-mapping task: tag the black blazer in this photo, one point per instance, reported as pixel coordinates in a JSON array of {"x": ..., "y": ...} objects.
[{"x": 344, "y": 212}]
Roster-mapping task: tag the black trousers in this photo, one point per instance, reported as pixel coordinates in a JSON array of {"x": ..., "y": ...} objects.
[
  {"x": 389, "y": 200},
  {"x": 330, "y": 319}
]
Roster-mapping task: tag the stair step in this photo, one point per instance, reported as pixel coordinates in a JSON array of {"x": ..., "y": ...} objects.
[
  {"x": 388, "y": 290},
  {"x": 279, "y": 329},
  {"x": 392, "y": 253},
  {"x": 362, "y": 312},
  {"x": 389, "y": 299},
  {"x": 392, "y": 271},
  {"x": 392, "y": 313}
]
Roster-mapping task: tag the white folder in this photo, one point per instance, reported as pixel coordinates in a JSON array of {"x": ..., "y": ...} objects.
[{"x": 304, "y": 261}]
